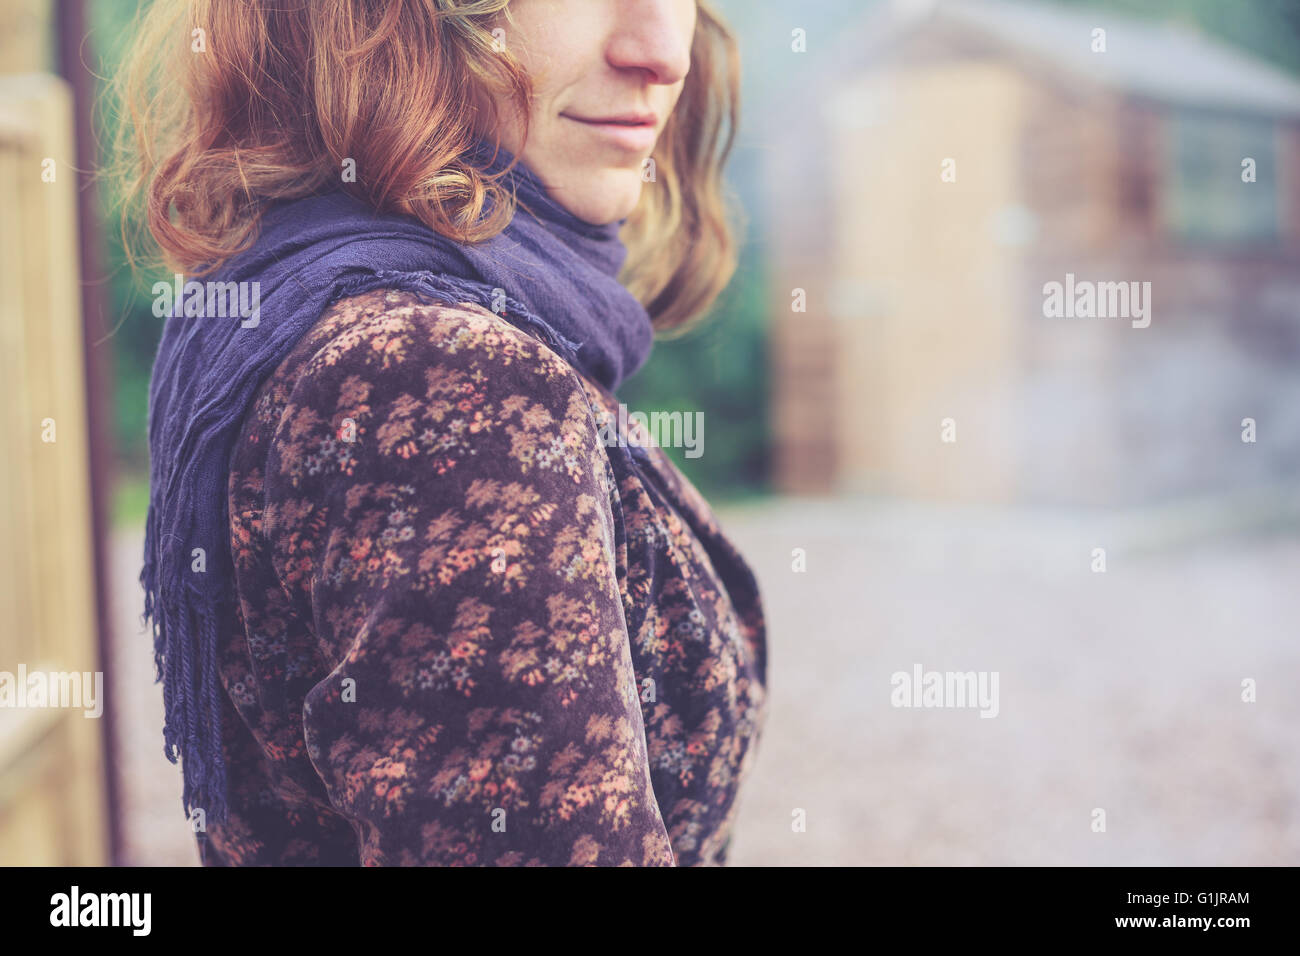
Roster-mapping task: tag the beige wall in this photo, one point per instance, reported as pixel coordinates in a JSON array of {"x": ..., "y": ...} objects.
[
  {"x": 52, "y": 792},
  {"x": 26, "y": 36},
  {"x": 924, "y": 312}
]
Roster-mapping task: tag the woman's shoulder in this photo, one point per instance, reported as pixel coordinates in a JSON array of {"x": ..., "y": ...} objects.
[
  {"x": 387, "y": 330},
  {"x": 394, "y": 413},
  {"x": 390, "y": 345},
  {"x": 386, "y": 377}
]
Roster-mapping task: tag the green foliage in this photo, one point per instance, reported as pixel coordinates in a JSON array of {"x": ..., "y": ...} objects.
[
  {"x": 718, "y": 369},
  {"x": 133, "y": 330}
]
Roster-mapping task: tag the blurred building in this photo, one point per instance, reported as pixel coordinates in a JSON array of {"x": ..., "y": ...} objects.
[{"x": 956, "y": 157}]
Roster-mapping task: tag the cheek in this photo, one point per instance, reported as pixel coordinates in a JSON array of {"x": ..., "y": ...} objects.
[
  {"x": 672, "y": 94},
  {"x": 546, "y": 53},
  {"x": 544, "y": 122}
]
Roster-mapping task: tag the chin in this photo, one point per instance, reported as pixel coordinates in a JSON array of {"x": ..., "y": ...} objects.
[{"x": 606, "y": 195}]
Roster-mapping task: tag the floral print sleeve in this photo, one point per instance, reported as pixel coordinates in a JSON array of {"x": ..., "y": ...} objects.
[{"x": 444, "y": 646}]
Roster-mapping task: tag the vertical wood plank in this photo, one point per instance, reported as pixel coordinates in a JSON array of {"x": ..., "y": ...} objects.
[{"x": 52, "y": 804}]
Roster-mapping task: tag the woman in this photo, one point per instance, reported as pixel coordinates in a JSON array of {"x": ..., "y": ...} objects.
[{"x": 411, "y": 603}]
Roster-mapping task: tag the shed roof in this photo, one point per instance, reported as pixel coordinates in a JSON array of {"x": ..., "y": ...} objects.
[{"x": 1161, "y": 61}]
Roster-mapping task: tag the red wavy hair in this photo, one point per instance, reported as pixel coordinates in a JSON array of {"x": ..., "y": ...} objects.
[{"x": 286, "y": 90}]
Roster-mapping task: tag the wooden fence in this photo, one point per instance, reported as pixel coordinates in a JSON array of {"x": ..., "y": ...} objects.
[{"x": 52, "y": 764}]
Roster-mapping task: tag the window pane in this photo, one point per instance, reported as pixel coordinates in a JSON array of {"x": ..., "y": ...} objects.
[{"x": 1205, "y": 197}]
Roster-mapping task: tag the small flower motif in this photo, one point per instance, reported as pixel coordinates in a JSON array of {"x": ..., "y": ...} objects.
[{"x": 532, "y": 446}]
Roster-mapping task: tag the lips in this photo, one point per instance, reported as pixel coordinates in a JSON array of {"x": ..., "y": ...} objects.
[
  {"x": 622, "y": 119},
  {"x": 630, "y": 132}
]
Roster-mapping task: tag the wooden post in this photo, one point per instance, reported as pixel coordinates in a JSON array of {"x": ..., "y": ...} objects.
[{"x": 52, "y": 808}]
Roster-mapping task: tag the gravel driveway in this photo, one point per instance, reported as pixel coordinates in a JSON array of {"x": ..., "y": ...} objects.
[{"x": 1118, "y": 692}]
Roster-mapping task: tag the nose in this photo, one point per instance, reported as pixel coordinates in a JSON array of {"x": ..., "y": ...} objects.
[{"x": 654, "y": 36}]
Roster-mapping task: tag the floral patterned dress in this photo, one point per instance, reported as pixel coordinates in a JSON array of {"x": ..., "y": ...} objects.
[{"x": 470, "y": 628}]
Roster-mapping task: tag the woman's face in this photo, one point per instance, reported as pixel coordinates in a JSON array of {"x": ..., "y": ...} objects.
[{"x": 606, "y": 75}]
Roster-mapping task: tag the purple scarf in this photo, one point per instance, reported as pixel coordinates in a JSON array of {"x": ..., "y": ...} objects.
[{"x": 548, "y": 272}]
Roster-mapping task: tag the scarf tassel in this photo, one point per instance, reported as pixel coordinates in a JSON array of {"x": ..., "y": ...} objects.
[{"x": 185, "y": 634}]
